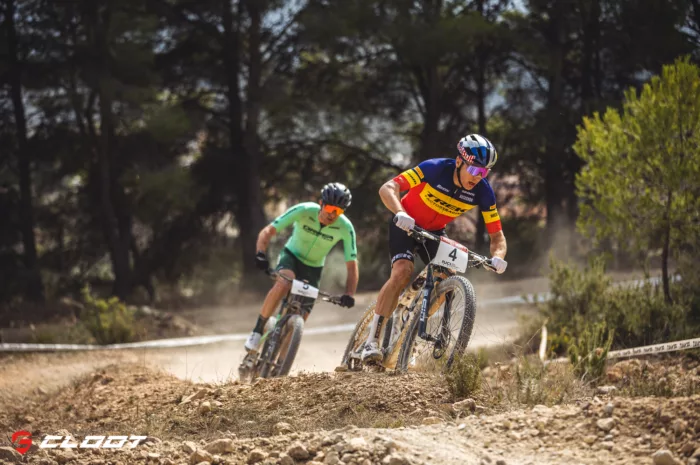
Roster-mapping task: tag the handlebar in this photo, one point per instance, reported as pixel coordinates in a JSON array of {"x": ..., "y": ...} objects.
[
  {"x": 334, "y": 299},
  {"x": 474, "y": 258}
]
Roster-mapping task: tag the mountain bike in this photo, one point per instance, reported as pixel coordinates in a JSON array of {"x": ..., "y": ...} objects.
[
  {"x": 283, "y": 332},
  {"x": 434, "y": 318}
]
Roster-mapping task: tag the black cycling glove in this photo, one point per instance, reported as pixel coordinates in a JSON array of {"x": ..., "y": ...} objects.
[
  {"x": 261, "y": 261},
  {"x": 347, "y": 301}
]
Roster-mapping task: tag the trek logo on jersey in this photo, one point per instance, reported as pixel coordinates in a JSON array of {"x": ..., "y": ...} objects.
[
  {"x": 310, "y": 230},
  {"x": 444, "y": 205}
]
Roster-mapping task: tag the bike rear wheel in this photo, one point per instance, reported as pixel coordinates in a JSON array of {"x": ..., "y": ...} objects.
[
  {"x": 280, "y": 363},
  {"x": 418, "y": 354}
]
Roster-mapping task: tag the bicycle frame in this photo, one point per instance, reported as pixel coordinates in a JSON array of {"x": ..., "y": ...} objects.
[{"x": 421, "y": 236}]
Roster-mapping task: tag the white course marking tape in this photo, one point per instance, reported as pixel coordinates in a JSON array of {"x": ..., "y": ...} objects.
[
  {"x": 685, "y": 344},
  {"x": 214, "y": 339}
]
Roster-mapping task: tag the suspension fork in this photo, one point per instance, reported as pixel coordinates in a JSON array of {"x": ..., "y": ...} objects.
[
  {"x": 427, "y": 290},
  {"x": 423, "y": 322},
  {"x": 274, "y": 337},
  {"x": 443, "y": 335}
]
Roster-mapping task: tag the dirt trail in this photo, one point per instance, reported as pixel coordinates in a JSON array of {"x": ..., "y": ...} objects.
[{"x": 360, "y": 419}]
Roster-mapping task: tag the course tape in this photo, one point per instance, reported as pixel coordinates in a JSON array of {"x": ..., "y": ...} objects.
[
  {"x": 685, "y": 344},
  {"x": 214, "y": 339}
]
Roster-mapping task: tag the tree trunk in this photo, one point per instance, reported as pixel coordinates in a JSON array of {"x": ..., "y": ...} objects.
[
  {"x": 665, "y": 251},
  {"x": 244, "y": 142},
  {"x": 117, "y": 240},
  {"x": 430, "y": 136},
  {"x": 590, "y": 92},
  {"x": 480, "y": 242},
  {"x": 35, "y": 288},
  {"x": 590, "y": 12},
  {"x": 553, "y": 201},
  {"x": 554, "y": 146}
]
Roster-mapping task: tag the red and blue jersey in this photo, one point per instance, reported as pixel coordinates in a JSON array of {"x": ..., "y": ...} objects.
[{"x": 434, "y": 200}]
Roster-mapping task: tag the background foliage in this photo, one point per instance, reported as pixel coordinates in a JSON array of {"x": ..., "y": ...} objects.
[{"x": 143, "y": 144}]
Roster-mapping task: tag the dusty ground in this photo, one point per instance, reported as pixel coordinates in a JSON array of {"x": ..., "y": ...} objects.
[
  {"x": 186, "y": 401},
  {"x": 361, "y": 418}
]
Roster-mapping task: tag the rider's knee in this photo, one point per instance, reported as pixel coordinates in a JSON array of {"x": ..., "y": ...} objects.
[
  {"x": 401, "y": 272},
  {"x": 282, "y": 285}
]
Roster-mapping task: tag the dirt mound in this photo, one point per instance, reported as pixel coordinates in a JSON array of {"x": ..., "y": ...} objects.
[
  {"x": 367, "y": 418},
  {"x": 603, "y": 429},
  {"x": 138, "y": 399}
]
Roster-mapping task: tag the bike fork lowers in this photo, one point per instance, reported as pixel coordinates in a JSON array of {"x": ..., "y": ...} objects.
[
  {"x": 274, "y": 340},
  {"x": 427, "y": 290},
  {"x": 423, "y": 322}
]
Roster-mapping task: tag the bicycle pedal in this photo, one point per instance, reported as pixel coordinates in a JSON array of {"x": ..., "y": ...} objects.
[{"x": 341, "y": 369}]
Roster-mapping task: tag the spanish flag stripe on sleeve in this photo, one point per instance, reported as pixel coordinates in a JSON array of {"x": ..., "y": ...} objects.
[
  {"x": 409, "y": 178},
  {"x": 492, "y": 220}
]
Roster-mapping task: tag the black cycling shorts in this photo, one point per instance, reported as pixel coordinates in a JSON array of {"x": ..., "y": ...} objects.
[
  {"x": 288, "y": 261},
  {"x": 404, "y": 247}
]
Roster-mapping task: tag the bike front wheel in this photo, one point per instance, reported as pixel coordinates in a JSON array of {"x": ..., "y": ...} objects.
[
  {"x": 282, "y": 358},
  {"x": 351, "y": 357},
  {"x": 451, "y": 313}
]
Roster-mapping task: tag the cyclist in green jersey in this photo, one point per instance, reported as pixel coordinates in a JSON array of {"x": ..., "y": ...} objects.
[{"x": 317, "y": 228}]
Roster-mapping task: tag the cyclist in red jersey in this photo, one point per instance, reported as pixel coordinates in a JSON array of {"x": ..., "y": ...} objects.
[{"x": 439, "y": 190}]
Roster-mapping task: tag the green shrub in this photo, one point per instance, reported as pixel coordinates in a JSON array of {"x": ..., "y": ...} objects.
[
  {"x": 108, "y": 320},
  {"x": 464, "y": 376},
  {"x": 530, "y": 382},
  {"x": 77, "y": 333},
  {"x": 637, "y": 314},
  {"x": 589, "y": 352}
]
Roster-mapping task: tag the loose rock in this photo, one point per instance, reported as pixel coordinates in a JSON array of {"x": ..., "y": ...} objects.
[
  {"x": 282, "y": 428},
  {"x": 220, "y": 446},
  {"x": 298, "y": 451},
  {"x": 255, "y": 456},
  {"x": 606, "y": 424},
  {"x": 205, "y": 407},
  {"x": 464, "y": 405},
  {"x": 664, "y": 457},
  {"x": 200, "y": 455}
]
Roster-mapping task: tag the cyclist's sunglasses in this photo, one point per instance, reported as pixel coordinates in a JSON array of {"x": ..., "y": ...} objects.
[
  {"x": 332, "y": 209},
  {"x": 476, "y": 170}
]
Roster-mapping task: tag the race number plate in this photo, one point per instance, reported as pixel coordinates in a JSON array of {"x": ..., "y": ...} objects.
[
  {"x": 305, "y": 289},
  {"x": 452, "y": 255}
]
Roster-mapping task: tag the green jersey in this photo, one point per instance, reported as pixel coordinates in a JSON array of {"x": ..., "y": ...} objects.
[{"x": 311, "y": 241}]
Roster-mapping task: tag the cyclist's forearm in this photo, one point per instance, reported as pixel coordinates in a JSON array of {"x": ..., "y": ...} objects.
[
  {"x": 390, "y": 195},
  {"x": 264, "y": 237},
  {"x": 353, "y": 277},
  {"x": 498, "y": 245}
]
